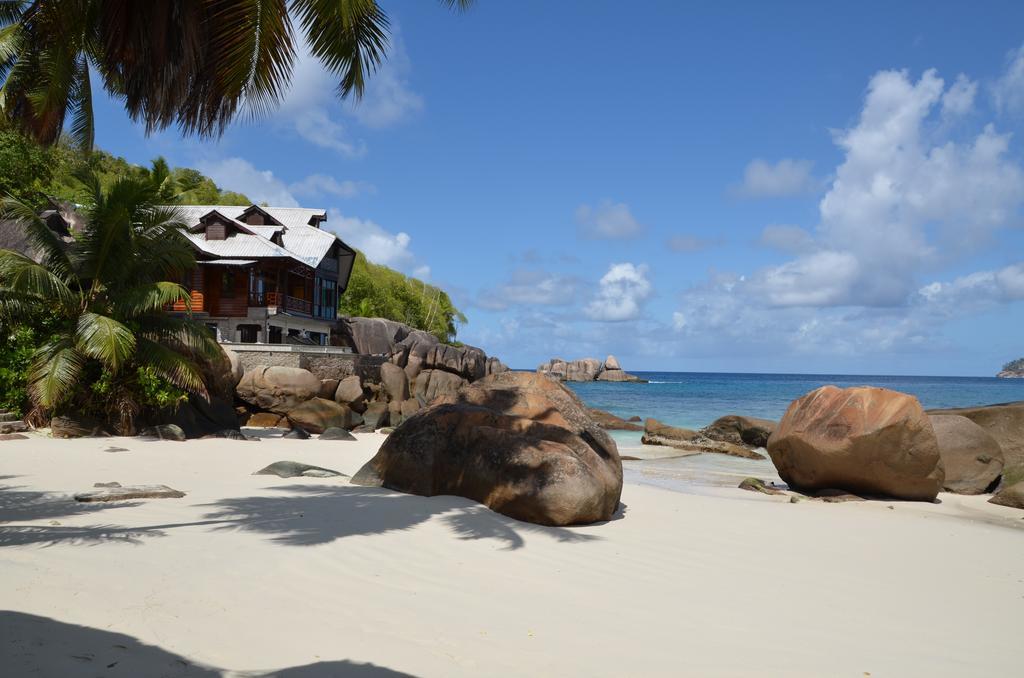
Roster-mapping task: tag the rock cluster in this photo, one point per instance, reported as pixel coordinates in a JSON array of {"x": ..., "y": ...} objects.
[
  {"x": 520, "y": 443},
  {"x": 733, "y": 435},
  {"x": 586, "y": 369},
  {"x": 419, "y": 370}
]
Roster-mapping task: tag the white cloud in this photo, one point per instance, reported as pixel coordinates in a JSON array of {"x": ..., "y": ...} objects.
[
  {"x": 388, "y": 98},
  {"x": 906, "y": 200},
  {"x": 762, "y": 179},
  {"x": 689, "y": 243},
  {"x": 607, "y": 220},
  {"x": 900, "y": 187},
  {"x": 678, "y": 321},
  {"x": 1008, "y": 90},
  {"x": 787, "y": 238},
  {"x": 529, "y": 287},
  {"x": 312, "y": 108},
  {"x": 377, "y": 243},
  {"x": 621, "y": 293},
  {"x": 959, "y": 98},
  {"x": 322, "y": 184},
  {"x": 238, "y": 174}
]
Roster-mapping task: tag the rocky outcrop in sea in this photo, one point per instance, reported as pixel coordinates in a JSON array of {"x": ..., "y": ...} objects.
[{"x": 587, "y": 369}]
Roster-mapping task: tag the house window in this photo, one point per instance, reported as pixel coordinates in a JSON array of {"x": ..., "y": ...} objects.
[
  {"x": 248, "y": 333},
  {"x": 227, "y": 284},
  {"x": 325, "y": 296}
]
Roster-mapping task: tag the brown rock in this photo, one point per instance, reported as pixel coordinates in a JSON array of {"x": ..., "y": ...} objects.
[
  {"x": 971, "y": 457},
  {"x": 328, "y": 387},
  {"x": 758, "y": 485},
  {"x": 1012, "y": 496},
  {"x": 350, "y": 392},
  {"x": 278, "y": 389},
  {"x": 115, "y": 492},
  {"x": 1005, "y": 423},
  {"x": 864, "y": 440},
  {"x": 430, "y": 384},
  {"x": 376, "y": 415},
  {"x": 610, "y": 422},
  {"x": 394, "y": 381},
  {"x": 519, "y": 443},
  {"x": 264, "y": 420},
  {"x": 657, "y": 433},
  {"x": 75, "y": 426},
  {"x": 740, "y": 430},
  {"x": 409, "y": 408},
  {"x": 317, "y": 414},
  {"x": 13, "y": 436}
]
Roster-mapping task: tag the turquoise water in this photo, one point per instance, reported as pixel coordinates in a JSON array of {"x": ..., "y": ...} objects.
[{"x": 695, "y": 399}]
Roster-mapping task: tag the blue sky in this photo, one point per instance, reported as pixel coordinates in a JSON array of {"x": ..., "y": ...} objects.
[{"x": 690, "y": 186}]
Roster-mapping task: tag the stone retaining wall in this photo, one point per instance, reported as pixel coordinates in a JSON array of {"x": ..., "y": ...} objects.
[{"x": 324, "y": 366}]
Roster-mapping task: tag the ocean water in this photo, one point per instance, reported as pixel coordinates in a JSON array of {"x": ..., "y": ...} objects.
[{"x": 695, "y": 399}]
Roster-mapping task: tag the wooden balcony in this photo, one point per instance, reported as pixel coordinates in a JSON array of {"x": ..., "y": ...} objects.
[{"x": 282, "y": 301}]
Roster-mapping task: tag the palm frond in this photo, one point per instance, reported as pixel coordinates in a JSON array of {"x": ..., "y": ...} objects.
[
  {"x": 43, "y": 239},
  {"x": 54, "y": 373},
  {"x": 107, "y": 340},
  {"x": 143, "y": 299},
  {"x": 83, "y": 129},
  {"x": 21, "y": 275},
  {"x": 171, "y": 365},
  {"x": 350, "y": 38},
  {"x": 11, "y": 11},
  {"x": 182, "y": 333}
]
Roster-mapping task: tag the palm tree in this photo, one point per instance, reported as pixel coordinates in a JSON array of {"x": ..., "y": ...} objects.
[
  {"x": 194, "y": 63},
  {"x": 106, "y": 293}
]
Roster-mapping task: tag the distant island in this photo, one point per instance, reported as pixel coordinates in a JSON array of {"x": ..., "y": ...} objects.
[{"x": 1013, "y": 369}]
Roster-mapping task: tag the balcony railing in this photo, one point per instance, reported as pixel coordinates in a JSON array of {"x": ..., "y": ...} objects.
[{"x": 288, "y": 303}]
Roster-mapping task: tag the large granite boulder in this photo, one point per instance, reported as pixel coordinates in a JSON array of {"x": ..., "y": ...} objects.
[
  {"x": 468, "y": 362},
  {"x": 278, "y": 389},
  {"x": 740, "y": 430},
  {"x": 972, "y": 458},
  {"x": 264, "y": 420},
  {"x": 76, "y": 426},
  {"x": 430, "y": 384},
  {"x": 394, "y": 381},
  {"x": 618, "y": 375},
  {"x": 584, "y": 369},
  {"x": 350, "y": 392},
  {"x": 1005, "y": 423},
  {"x": 411, "y": 353},
  {"x": 317, "y": 414},
  {"x": 864, "y": 440},
  {"x": 612, "y": 363},
  {"x": 1012, "y": 496},
  {"x": 519, "y": 443},
  {"x": 372, "y": 335}
]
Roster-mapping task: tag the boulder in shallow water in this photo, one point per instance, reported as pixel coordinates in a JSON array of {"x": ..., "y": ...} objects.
[
  {"x": 758, "y": 485},
  {"x": 610, "y": 422},
  {"x": 1012, "y": 496},
  {"x": 740, "y": 430},
  {"x": 657, "y": 433},
  {"x": 971, "y": 457},
  {"x": 864, "y": 440}
]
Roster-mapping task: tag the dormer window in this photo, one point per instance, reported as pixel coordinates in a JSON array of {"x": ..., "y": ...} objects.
[
  {"x": 216, "y": 226},
  {"x": 257, "y": 216}
]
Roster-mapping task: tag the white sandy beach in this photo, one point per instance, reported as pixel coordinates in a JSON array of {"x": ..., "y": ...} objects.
[{"x": 256, "y": 575}]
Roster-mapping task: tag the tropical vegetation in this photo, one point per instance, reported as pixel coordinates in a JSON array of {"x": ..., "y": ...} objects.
[
  {"x": 197, "y": 65},
  {"x": 1014, "y": 365},
  {"x": 92, "y": 309},
  {"x": 376, "y": 291}
]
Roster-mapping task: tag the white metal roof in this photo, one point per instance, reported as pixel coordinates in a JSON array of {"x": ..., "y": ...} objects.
[
  {"x": 301, "y": 241},
  {"x": 227, "y": 262}
]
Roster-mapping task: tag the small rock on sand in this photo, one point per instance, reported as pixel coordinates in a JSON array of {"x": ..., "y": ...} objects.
[
  {"x": 116, "y": 492},
  {"x": 758, "y": 485},
  {"x": 293, "y": 469}
]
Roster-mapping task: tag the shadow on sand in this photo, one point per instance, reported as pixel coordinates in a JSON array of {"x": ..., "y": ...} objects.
[
  {"x": 307, "y": 515},
  {"x": 40, "y": 646}
]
